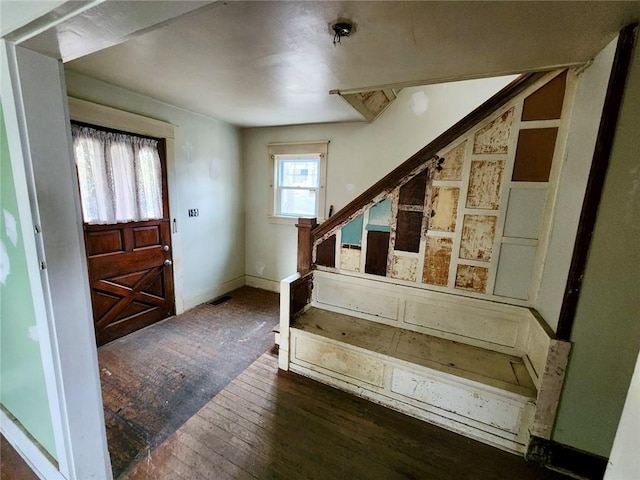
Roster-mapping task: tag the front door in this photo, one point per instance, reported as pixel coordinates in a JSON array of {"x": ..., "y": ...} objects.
[
  {"x": 130, "y": 276},
  {"x": 130, "y": 263}
]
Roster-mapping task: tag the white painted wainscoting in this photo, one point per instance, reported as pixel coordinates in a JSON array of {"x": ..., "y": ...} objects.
[{"x": 487, "y": 370}]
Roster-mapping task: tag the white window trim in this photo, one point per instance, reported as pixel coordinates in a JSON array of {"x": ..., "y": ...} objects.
[{"x": 301, "y": 148}]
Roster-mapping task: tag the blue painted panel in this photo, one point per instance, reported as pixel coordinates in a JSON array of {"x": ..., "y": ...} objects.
[
  {"x": 352, "y": 231},
  {"x": 380, "y": 214}
]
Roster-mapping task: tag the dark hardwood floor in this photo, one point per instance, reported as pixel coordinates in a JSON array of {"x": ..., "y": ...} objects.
[
  {"x": 12, "y": 466},
  {"x": 157, "y": 378},
  {"x": 269, "y": 424},
  {"x": 184, "y": 399}
]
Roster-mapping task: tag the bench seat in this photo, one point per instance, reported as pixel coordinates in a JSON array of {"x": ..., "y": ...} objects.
[{"x": 478, "y": 392}]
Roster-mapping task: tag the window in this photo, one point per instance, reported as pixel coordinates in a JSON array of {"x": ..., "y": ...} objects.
[
  {"x": 120, "y": 176},
  {"x": 297, "y": 181}
]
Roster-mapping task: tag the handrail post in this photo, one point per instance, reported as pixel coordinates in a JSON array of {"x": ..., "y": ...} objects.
[{"x": 305, "y": 225}]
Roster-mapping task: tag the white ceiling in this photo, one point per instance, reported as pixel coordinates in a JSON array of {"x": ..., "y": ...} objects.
[{"x": 273, "y": 63}]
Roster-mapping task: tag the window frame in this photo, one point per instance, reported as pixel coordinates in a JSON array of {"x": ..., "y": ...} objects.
[{"x": 277, "y": 151}]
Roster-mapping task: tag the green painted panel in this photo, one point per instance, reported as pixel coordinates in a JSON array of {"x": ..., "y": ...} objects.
[
  {"x": 378, "y": 228},
  {"x": 23, "y": 390},
  {"x": 380, "y": 214},
  {"x": 352, "y": 231}
]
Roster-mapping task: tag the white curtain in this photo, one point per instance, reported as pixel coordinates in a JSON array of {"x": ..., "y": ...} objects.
[{"x": 120, "y": 176}]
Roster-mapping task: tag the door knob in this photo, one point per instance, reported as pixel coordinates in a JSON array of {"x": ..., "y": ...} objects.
[
  {"x": 165, "y": 248},
  {"x": 168, "y": 263}
]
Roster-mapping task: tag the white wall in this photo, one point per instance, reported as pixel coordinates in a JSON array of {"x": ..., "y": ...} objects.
[
  {"x": 583, "y": 130},
  {"x": 209, "y": 256},
  {"x": 359, "y": 155}
]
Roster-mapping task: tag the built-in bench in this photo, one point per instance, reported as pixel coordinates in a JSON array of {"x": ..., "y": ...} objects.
[{"x": 479, "y": 368}]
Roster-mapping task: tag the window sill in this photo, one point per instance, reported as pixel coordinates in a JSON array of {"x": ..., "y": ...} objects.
[{"x": 283, "y": 220}]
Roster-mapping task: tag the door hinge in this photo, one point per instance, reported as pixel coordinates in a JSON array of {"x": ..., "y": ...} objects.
[{"x": 43, "y": 265}]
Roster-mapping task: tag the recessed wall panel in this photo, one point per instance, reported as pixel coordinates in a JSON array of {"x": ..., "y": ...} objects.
[{"x": 515, "y": 268}]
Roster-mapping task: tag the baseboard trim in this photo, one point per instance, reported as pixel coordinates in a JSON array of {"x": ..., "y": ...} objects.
[
  {"x": 262, "y": 283},
  {"x": 566, "y": 459},
  {"x": 30, "y": 453},
  {"x": 214, "y": 292}
]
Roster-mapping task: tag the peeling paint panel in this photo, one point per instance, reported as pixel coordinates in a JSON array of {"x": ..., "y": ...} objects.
[
  {"x": 478, "y": 232},
  {"x": 444, "y": 209},
  {"x": 326, "y": 252},
  {"x": 352, "y": 231},
  {"x": 472, "y": 278},
  {"x": 485, "y": 181},
  {"x": 546, "y": 102},
  {"x": 350, "y": 258},
  {"x": 534, "y": 155},
  {"x": 437, "y": 258},
  {"x": 452, "y": 165},
  {"x": 377, "y": 252},
  {"x": 494, "y": 137},
  {"x": 490, "y": 410},
  {"x": 380, "y": 214},
  {"x": 404, "y": 268},
  {"x": 412, "y": 192},
  {"x": 374, "y": 100},
  {"x": 339, "y": 360},
  {"x": 408, "y": 230}
]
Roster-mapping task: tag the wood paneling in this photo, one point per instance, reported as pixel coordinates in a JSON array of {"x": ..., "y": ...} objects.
[
  {"x": 412, "y": 192},
  {"x": 352, "y": 231},
  {"x": 146, "y": 236},
  {"x": 494, "y": 136},
  {"x": 444, "y": 209},
  {"x": 436, "y": 260},
  {"x": 326, "y": 252},
  {"x": 305, "y": 243},
  {"x": 425, "y": 154},
  {"x": 350, "y": 256},
  {"x": 404, "y": 268},
  {"x": 377, "y": 251},
  {"x": 478, "y": 232},
  {"x": 451, "y": 168},
  {"x": 104, "y": 241},
  {"x": 534, "y": 155},
  {"x": 485, "y": 181},
  {"x": 546, "y": 102},
  {"x": 472, "y": 278},
  {"x": 301, "y": 291},
  {"x": 408, "y": 230},
  {"x": 133, "y": 272}
]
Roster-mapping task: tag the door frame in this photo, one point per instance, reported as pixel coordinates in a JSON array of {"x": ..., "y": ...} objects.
[{"x": 111, "y": 118}]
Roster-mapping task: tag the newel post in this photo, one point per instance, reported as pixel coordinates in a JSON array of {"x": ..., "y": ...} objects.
[{"x": 305, "y": 225}]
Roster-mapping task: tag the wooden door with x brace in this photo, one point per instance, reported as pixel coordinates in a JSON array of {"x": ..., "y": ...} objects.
[{"x": 130, "y": 269}]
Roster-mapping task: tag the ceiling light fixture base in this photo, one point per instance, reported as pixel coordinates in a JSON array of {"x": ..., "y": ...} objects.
[{"x": 341, "y": 27}]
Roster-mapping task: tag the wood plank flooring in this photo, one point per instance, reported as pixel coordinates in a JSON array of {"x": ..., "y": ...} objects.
[
  {"x": 270, "y": 424},
  {"x": 12, "y": 466},
  {"x": 157, "y": 378}
]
